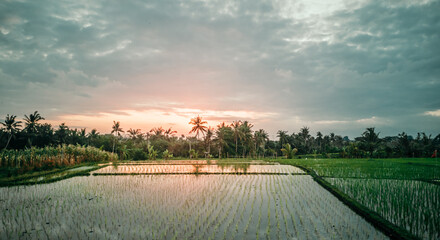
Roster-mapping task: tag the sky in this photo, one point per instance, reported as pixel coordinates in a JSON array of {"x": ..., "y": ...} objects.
[{"x": 334, "y": 66}]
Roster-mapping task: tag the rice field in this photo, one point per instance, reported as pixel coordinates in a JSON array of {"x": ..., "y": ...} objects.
[
  {"x": 180, "y": 206},
  {"x": 403, "y": 191},
  {"x": 409, "y": 169},
  {"x": 413, "y": 205}
]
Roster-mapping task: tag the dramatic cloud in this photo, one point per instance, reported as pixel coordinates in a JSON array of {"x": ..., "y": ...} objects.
[{"x": 338, "y": 67}]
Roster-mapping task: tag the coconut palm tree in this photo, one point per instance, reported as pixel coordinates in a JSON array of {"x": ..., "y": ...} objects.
[
  {"x": 236, "y": 127},
  {"x": 158, "y": 131},
  {"x": 117, "y": 130},
  {"x": 31, "y": 123},
  {"x": 208, "y": 139},
  {"x": 245, "y": 135},
  {"x": 319, "y": 140},
  {"x": 220, "y": 138},
  {"x": 134, "y": 133},
  {"x": 62, "y": 133},
  {"x": 304, "y": 135},
  {"x": 92, "y": 135},
  {"x": 169, "y": 133},
  {"x": 283, "y": 138},
  {"x": 198, "y": 126},
  {"x": 260, "y": 139},
  {"x": 370, "y": 140},
  {"x": 11, "y": 126}
]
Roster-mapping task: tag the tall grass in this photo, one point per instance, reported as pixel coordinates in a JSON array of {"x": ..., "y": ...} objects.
[{"x": 51, "y": 157}]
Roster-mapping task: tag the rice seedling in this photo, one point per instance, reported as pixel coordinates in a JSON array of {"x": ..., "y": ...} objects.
[
  {"x": 178, "y": 206},
  {"x": 413, "y": 205}
]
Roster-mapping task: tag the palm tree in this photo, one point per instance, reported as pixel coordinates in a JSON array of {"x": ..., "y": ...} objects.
[
  {"x": 236, "y": 126},
  {"x": 62, "y": 133},
  {"x": 221, "y": 138},
  {"x": 31, "y": 122},
  {"x": 92, "y": 135},
  {"x": 134, "y": 133},
  {"x": 208, "y": 139},
  {"x": 11, "y": 126},
  {"x": 169, "y": 133},
  {"x": 319, "y": 140},
  {"x": 283, "y": 138},
  {"x": 260, "y": 138},
  {"x": 117, "y": 130},
  {"x": 198, "y": 126},
  {"x": 157, "y": 131},
  {"x": 245, "y": 135},
  {"x": 304, "y": 135},
  {"x": 370, "y": 139},
  {"x": 288, "y": 151}
]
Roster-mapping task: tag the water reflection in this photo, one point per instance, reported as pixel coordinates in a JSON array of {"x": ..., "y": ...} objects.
[{"x": 199, "y": 168}]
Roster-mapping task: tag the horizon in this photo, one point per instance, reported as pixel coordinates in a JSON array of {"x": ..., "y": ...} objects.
[
  {"x": 336, "y": 67},
  {"x": 272, "y": 136}
]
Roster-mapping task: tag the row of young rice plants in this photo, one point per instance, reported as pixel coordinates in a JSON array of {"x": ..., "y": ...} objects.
[
  {"x": 409, "y": 168},
  {"x": 403, "y": 191},
  {"x": 179, "y": 206},
  {"x": 51, "y": 157},
  {"x": 413, "y": 205}
]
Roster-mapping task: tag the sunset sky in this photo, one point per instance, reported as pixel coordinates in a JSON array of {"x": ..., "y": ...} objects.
[{"x": 334, "y": 67}]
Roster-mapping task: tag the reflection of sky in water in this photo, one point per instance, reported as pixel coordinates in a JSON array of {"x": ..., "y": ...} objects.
[{"x": 199, "y": 168}]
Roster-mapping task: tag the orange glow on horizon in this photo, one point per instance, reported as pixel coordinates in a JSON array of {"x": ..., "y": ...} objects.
[{"x": 177, "y": 119}]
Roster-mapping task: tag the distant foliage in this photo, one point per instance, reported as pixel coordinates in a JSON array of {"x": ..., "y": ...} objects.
[{"x": 237, "y": 139}]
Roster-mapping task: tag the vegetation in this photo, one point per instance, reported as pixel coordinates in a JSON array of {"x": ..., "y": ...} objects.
[
  {"x": 226, "y": 140},
  {"x": 413, "y": 205},
  {"x": 180, "y": 206},
  {"x": 405, "y": 192},
  {"x": 288, "y": 151},
  {"x": 14, "y": 162}
]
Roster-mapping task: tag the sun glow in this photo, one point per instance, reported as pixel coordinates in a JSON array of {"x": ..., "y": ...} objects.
[{"x": 176, "y": 118}]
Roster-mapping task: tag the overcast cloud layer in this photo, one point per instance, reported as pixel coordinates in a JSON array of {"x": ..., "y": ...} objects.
[{"x": 338, "y": 67}]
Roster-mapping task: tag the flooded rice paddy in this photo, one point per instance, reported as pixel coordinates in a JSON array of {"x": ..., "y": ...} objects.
[
  {"x": 180, "y": 206},
  {"x": 199, "y": 168}
]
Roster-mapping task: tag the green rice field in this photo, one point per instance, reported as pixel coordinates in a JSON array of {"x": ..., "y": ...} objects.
[{"x": 406, "y": 192}]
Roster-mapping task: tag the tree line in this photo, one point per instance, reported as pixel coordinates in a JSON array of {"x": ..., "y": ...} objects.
[{"x": 237, "y": 139}]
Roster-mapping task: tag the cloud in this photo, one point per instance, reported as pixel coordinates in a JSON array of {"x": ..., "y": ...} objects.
[
  {"x": 435, "y": 113},
  {"x": 283, "y": 64}
]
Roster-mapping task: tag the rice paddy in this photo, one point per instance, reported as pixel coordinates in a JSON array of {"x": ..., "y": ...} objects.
[
  {"x": 181, "y": 206},
  {"x": 413, "y": 205},
  {"x": 199, "y": 168},
  {"x": 406, "y": 192}
]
